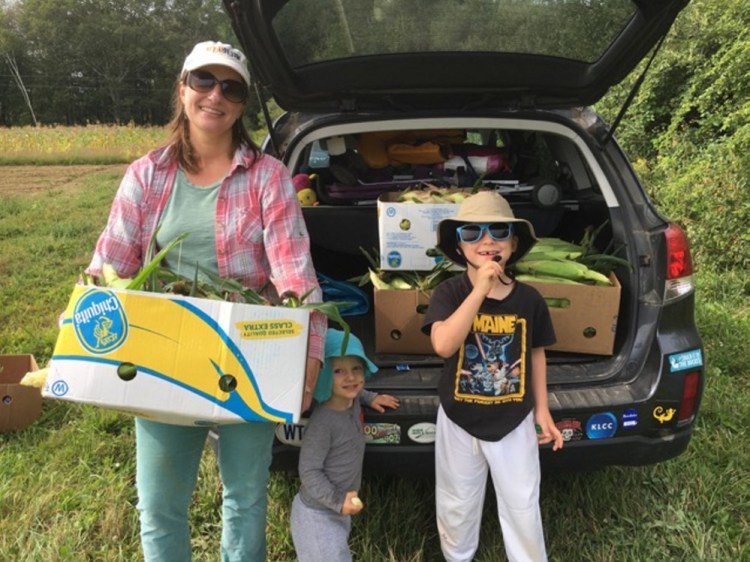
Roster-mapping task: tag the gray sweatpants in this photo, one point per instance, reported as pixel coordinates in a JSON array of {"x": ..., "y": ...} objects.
[{"x": 320, "y": 535}]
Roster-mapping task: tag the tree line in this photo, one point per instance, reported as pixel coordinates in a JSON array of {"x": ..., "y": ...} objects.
[{"x": 74, "y": 62}]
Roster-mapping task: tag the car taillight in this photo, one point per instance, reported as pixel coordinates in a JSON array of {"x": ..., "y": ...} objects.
[
  {"x": 679, "y": 264},
  {"x": 689, "y": 396}
]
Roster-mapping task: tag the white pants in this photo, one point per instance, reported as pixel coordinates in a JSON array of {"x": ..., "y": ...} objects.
[{"x": 461, "y": 466}]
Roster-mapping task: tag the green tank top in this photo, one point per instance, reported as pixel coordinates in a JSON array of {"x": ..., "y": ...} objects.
[{"x": 192, "y": 209}]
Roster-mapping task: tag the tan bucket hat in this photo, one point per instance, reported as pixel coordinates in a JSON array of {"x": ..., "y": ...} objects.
[{"x": 484, "y": 207}]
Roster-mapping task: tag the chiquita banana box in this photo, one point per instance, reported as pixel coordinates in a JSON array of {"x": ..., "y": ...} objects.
[{"x": 178, "y": 359}]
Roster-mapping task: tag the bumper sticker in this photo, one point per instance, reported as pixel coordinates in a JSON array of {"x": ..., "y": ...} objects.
[
  {"x": 601, "y": 426},
  {"x": 382, "y": 434},
  {"x": 423, "y": 432},
  {"x": 571, "y": 429},
  {"x": 686, "y": 360},
  {"x": 664, "y": 415},
  {"x": 291, "y": 433},
  {"x": 629, "y": 418}
]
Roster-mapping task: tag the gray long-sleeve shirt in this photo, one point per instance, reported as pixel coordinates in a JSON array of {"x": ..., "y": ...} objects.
[{"x": 330, "y": 461}]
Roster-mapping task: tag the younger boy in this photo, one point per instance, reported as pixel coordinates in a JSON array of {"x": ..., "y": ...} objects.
[
  {"x": 492, "y": 331},
  {"x": 333, "y": 448}
]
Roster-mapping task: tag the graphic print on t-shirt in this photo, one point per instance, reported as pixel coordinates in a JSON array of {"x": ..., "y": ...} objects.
[{"x": 491, "y": 367}]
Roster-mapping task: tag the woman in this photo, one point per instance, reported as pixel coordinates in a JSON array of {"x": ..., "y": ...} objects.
[{"x": 245, "y": 223}]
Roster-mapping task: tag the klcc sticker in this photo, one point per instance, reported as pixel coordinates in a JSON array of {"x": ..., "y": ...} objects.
[
  {"x": 572, "y": 430},
  {"x": 601, "y": 426},
  {"x": 664, "y": 415},
  {"x": 629, "y": 418},
  {"x": 687, "y": 360}
]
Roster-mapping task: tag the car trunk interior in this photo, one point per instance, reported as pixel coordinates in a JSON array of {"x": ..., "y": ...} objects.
[{"x": 546, "y": 174}]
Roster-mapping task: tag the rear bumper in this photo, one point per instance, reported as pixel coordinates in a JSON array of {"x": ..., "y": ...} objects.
[{"x": 414, "y": 460}]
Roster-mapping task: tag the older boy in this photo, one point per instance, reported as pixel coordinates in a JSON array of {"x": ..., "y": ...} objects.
[{"x": 493, "y": 330}]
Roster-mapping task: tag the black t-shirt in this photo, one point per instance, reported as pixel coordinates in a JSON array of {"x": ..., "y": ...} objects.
[{"x": 485, "y": 387}]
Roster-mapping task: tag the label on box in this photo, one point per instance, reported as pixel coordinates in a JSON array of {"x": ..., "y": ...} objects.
[
  {"x": 178, "y": 359},
  {"x": 407, "y": 231}
]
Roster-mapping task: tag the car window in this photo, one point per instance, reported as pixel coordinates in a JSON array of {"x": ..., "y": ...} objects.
[{"x": 315, "y": 31}]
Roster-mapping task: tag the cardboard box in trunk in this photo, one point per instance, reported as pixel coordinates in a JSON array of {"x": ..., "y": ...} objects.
[
  {"x": 587, "y": 325},
  {"x": 398, "y": 319},
  {"x": 407, "y": 230},
  {"x": 180, "y": 360},
  {"x": 589, "y": 322},
  {"x": 20, "y": 405}
]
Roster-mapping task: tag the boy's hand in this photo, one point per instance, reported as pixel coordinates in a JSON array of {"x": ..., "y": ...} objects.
[
  {"x": 352, "y": 504},
  {"x": 487, "y": 275},
  {"x": 547, "y": 432},
  {"x": 383, "y": 401}
]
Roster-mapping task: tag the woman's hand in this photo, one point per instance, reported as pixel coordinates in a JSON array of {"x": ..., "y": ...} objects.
[{"x": 312, "y": 369}]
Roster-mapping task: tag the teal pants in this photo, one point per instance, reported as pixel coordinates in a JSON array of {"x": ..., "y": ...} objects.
[{"x": 168, "y": 457}]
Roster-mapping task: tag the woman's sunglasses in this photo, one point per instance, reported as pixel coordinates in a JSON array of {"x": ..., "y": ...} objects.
[
  {"x": 203, "y": 82},
  {"x": 471, "y": 233}
]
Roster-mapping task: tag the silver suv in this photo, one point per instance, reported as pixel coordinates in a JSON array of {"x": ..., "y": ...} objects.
[{"x": 383, "y": 96}]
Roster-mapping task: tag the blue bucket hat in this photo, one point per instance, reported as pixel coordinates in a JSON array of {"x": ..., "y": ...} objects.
[{"x": 334, "y": 339}]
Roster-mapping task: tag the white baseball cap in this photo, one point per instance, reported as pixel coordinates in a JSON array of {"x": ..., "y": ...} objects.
[{"x": 222, "y": 54}]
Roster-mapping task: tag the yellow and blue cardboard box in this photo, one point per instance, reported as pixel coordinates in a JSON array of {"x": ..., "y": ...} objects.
[{"x": 181, "y": 360}]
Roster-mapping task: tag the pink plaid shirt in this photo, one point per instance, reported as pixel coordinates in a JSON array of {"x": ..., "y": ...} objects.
[{"x": 260, "y": 231}]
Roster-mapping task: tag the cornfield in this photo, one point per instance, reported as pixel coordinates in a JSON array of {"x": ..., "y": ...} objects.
[{"x": 91, "y": 144}]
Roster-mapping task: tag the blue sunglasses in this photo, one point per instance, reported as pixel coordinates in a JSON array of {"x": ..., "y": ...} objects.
[{"x": 472, "y": 233}]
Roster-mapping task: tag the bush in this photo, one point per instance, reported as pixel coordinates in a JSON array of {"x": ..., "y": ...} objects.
[{"x": 688, "y": 130}]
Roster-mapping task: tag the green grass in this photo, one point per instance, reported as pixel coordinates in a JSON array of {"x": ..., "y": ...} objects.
[{"x": 67, "y": 489}]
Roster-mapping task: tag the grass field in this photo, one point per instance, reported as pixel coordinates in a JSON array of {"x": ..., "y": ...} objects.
[
  {"x": 67, "y": 491},
  {"x": 91, "y": 144}
]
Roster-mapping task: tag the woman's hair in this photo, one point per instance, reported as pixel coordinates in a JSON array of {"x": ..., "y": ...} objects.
[{"x": 179, "y": 133}]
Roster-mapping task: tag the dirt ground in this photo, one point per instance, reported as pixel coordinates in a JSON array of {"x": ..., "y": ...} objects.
[{"x": 16, "y": 180}]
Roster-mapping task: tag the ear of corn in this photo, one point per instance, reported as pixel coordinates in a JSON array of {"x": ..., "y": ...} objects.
[
  {"x": 527, "y": 278},
  {"x": 36, "y": 379},
  {"x": 563, "y": 269},
  {"x": 552, "y": 260},
  {"x": 155, "y": 278},
  {"x": 554, "y": 302},
  {"x": 112, "y": 279},
  {"x": 566, "y": 269},
  {"x": 432, "y": 194},
  {"x": 552, "y": 254},
  {"x": 404, "y": 280}
]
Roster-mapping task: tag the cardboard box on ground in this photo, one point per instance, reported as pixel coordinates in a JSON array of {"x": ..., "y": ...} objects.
[
  {"x": 587, "y": 325},
  {"x": 181, "y": 360},
  {"x": 20, "y": 405}
]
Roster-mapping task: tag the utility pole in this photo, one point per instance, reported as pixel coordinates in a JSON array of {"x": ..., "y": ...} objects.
[{"x": 19, "y": 82}]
